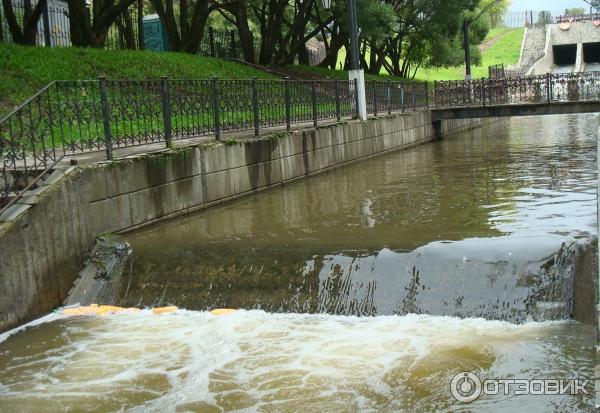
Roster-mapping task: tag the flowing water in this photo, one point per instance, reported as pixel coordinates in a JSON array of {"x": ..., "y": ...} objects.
[{"x": 366, "y": 289}]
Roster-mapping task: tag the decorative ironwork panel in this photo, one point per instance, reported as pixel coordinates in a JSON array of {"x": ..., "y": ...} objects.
[
  {"x": 191, "y": 108},
  {"x": 300, "y": 101},
  {"x": 135, "y": 112},
  {"x": 78, "y": 115},
  {"x": 235, "y": 105},
  {"x": 271, "y": 102},
  {"x": 387, "y": 97}
]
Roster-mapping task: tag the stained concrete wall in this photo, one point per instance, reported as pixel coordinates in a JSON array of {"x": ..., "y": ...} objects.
[
  {"x": 578, "y": 33},
  {"x": 45, "y": 238}
]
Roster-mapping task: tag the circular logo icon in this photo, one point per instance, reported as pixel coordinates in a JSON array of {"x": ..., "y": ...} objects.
[{"x": 465, "y": 387}]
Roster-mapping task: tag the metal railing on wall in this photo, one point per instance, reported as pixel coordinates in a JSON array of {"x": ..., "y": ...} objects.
[
  {"x": 69, "y": 117},
  {"x": 549, "y": 88}
]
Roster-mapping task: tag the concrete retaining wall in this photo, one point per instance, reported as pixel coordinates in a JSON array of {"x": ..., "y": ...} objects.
[{"x": 45, "y": 238}]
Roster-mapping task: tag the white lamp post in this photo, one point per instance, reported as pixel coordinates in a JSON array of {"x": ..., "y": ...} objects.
[{"x": 355, "y": 72}]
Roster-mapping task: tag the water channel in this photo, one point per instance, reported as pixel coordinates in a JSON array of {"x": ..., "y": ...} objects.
[{"x": 364, "y": 289}]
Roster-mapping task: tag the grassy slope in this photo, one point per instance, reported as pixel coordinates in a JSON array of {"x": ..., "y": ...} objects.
[
  {"x": 506, "y": 50},
  {"x": 24, "y": 70}
]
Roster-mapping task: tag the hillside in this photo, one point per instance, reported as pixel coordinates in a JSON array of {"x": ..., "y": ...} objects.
[
  {"x": 501, "y": 45},
  {"x": 24, "y": 70}
]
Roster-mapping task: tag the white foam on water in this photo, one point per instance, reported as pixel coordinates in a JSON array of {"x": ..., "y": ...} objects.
[
  {"x": 42, "y": 320},
  {"x": 249, "y": 360}
]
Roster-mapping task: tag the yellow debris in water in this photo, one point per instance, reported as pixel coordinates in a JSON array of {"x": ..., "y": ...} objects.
[
  {"x": 222, "y": 311},
  {"x": 95, "y": 309},
  {"x": 163, "y": 310}
]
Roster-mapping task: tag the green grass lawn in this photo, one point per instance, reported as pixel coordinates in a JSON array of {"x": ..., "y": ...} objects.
[
  {"x": 506, "y": 50},
  {"x": 25, "y": 70}
]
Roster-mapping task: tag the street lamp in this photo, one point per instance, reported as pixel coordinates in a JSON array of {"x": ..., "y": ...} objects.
[
  {"x": 467, "y": 45},
  {"x": 355, "y": 72}
]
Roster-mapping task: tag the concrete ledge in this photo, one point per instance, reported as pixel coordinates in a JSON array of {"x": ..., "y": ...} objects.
[{"x": 46, "y": 238}]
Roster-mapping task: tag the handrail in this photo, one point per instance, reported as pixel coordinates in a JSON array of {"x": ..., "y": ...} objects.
[{"x": 28, "y": 101}]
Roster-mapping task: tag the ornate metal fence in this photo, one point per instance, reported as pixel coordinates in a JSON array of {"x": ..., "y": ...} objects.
[
  {"x": 550, "y": 88},
  {"x": 497, "y": 71},
  {"x": 388, "y": 96},
  {"x": 69, "y": 117}
]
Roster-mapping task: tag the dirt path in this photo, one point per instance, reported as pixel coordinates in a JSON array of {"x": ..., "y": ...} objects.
[{"x": 488, "y": 44}]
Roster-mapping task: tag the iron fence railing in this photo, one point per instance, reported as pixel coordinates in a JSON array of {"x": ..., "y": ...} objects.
[
  {"x": 549, "y": 88},
  {"x": 387, "y": 96},
  {"x": 69, "y": 117},
  {"x": 497, "y": 71},
  {"x": 577, "y": 17}
]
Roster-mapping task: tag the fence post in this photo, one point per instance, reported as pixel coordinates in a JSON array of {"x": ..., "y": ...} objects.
[
  {"x": 166, "y": 109},
  {"x": 402, "y": 97},
  {"x": 288, "y": 121},
  {"x": 255, "y": 107},
  {"x": 426, "y": 94},
  {"x": 215, "y": 104},
  {"x": 313, "y": 87},
  {"x": 549, "y": 87},
  {"x": 46, "y": 23},
  {"x": 211, "y": 41},
  {"x": 356, "y": 103},
  {"x": 389, "y": 97},
  {"x": 233, "y": 48},
  {"x": 483, "y": 90},
  {"x": 374, "y": 97},
  {"x": 414, "y": 98},
  {"x": 106, "y": 118},
  {"x": 338, "y": 112}
]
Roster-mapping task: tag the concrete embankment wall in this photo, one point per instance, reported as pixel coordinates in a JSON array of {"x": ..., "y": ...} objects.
[
  {"x": 44, "y": 242},
  {"x": 577, "y": 34}
]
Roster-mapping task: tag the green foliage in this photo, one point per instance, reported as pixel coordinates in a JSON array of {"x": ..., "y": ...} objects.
[
  {"x": 574, "y": 11},
  {"x": 376, "y": 19},
  {"x": 496, "y": 11},
  {"x": 24, "y": 70}
]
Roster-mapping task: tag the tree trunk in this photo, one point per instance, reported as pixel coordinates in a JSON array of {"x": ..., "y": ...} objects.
[
  {"x": 140, "y": 24},
  {"x": 86, "y": 33},
  {"x": 31, "y": 16},
  {"x": 187, "y": 35},
  {"x": 240, "y": 13}
]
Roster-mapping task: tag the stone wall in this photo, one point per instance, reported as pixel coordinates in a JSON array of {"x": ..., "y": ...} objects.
[{"x": 46, "y": 236}]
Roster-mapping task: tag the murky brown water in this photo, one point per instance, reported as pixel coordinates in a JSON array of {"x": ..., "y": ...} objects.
[
  {"x": 471, "y": 226},
  {"x": 493, "y": 223}
]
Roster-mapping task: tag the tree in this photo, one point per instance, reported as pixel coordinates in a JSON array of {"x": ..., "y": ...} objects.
[
  {"x": 184, "y": 22},
  {"x": 26, "y": 32},
  {"x": 89, "y": 28},
  {"x": 496, "y": 12},
  {"x": 574, "y": 11},
  {"x": 428, "y": 34}
]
